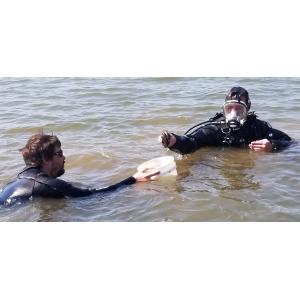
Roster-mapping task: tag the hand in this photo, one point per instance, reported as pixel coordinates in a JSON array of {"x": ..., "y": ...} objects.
[
  {"x": 167, "y": 139},
  {"x": 261, "y": 145},
  {"x": 146, "y": 175}
]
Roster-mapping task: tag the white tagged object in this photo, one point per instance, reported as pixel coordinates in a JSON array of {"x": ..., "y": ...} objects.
[{"x": 165, "y": 165}]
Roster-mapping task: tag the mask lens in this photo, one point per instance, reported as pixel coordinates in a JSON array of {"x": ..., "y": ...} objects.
[{"x": 235, "y": 111}]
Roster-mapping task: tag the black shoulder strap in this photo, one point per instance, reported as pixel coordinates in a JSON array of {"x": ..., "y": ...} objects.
[
  {"x": 216, "y": 116},
  {"x": 198, "y": 126}
]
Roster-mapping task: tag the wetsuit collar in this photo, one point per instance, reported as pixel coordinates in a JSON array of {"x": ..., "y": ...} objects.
[{"x": 27, "y": 170}]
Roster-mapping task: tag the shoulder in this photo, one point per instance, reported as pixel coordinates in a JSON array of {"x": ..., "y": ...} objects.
[
  {"x": 42, "y": 180},
  {"x": 53, "y": 182},
  {"x": 18, "y": 190},
  {"x": 28, "y": 172},
  {"x": 252, "y": 118},
  {"x": 51, "y": 187}
]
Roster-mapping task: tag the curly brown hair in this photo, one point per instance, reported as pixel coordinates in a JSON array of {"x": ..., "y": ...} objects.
[{"x": 39, "y": 146}]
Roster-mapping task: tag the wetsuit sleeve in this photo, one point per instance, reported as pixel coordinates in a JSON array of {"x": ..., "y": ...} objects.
[
  {"x": 69, "y": 190},
  {"x": 279, "y": 139},
  {"x": 128, "y": 181},
  {"x": 207, "y": 136}
]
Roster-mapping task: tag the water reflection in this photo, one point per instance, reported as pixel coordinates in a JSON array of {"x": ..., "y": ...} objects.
[
  {"x": 46, "y": 208},
  {"x": 111, "y": 126},
  {"x": 225, "y": 169},
  {"x": 236, "y": 168},
  {"x": 224, "y": 173}
]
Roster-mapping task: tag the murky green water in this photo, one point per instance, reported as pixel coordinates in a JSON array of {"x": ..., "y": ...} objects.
[{"x": 108, "y": 126}]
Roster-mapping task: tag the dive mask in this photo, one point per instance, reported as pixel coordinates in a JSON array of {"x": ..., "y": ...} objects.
[{"x": 235, "y": 113}]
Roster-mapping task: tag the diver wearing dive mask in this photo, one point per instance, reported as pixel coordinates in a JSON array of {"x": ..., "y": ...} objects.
[
  {"x": 235, "y": 126},
  {"x": 236, "y": 107}
]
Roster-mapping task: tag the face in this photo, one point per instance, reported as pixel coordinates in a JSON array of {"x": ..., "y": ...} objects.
[
  {"x": 235, "y": 114},
  {"x": 55, "y": 166}
]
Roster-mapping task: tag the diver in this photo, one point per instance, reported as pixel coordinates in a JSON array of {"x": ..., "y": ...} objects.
[
  {"x": 44, "y": 160},
  {"x": 235, "y": 126}
]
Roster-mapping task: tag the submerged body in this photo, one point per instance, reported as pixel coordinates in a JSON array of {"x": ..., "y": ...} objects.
[
  {"x": 44, "y": 160},
  {"x": 217, "y": 133},
  {"x": 31, "y": 182},
  {"x": 235, "y": 126}
]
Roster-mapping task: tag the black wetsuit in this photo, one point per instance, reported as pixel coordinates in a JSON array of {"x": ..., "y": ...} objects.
[
  {"x": 217, "y": 133},
  {"x": 32, "y": 182}
]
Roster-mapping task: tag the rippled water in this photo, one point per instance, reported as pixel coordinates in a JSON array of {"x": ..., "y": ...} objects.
[{"x": 108, "y": 126}]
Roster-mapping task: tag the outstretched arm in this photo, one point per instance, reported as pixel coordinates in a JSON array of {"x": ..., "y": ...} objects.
[
  {"x": 67, "y": 189},
  {"x": 185, "y": 144},
  {"x": 144, "y": 176},
  {"x": 178, "y": 143}
]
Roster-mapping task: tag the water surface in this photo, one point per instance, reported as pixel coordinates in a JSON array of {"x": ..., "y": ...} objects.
[{"x": 108, "y": 126}]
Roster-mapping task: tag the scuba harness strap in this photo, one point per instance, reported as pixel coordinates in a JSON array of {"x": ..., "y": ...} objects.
[
  {"x": 211, "y": 121},
  {"x": 226, "y": 130}
]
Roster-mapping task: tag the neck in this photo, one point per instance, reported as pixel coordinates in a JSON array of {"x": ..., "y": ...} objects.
[{"x": 46, "y": 170}]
